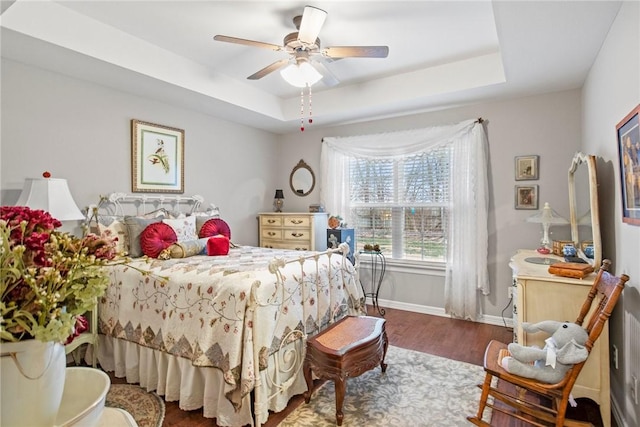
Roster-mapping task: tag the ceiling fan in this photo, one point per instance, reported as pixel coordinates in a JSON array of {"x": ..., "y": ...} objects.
[{"x": 306, "y": 53}]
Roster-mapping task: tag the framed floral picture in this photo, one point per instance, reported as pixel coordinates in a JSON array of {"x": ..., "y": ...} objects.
[
  {"x": 526, "y": 168},
  {"x": 628, "y": 131},
  {"x": 157, "y": 158},
  {"x": 526, "y": 197}
]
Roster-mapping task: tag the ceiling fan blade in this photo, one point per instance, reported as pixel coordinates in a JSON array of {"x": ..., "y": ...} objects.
[
  {"x": 356, "y": 51},
  {"x": 328, "y": 78},
  {"x": 268, "y": 69},
  {"x": 246, "y": 42},
  {"x": 312, "y": 20}
]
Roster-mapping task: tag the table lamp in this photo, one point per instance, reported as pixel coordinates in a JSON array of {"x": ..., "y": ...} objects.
[
  {"x": 585, "y": 219},
  {"x": 51, "y": 195},
  {"x": 278, "y": 201},
  {"x": 547, "y": 217}
]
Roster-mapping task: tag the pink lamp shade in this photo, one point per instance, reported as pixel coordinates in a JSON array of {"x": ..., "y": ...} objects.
[{"x": 51, "y": 195}]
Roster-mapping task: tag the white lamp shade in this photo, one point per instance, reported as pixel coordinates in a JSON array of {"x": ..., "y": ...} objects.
[
  {"x": 301, "y": 75},
  {"x": 51, "y": 195},
  {"x": 547, "y": 216}
]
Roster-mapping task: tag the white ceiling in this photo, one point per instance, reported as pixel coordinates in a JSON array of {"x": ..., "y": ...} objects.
[{"x": 441, "y": 53}]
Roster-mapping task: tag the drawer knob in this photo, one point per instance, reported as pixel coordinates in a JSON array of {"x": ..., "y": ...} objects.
[
  {"x": 271, "y": 221},
  {"x": 296, "y": 221},
  {"x": 271, "y": 233},
  {"x": 297, "y": 234}
]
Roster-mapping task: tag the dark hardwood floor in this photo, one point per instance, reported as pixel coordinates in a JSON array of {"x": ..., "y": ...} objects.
[{"x": 454, "y": 339}]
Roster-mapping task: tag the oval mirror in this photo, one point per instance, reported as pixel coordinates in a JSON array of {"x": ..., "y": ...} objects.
[
  {"x": 302, "y": 179},
  {"x": 583, "y": 208}
]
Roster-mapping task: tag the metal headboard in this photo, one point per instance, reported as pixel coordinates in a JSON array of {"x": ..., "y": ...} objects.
[{"x": 114, "y": 203}]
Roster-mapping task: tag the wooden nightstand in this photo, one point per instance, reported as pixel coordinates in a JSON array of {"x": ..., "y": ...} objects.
[{"x": 88, "y": 337}]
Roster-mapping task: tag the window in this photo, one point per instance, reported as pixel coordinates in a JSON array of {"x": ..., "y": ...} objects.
[
  {"x": 402, "y": 204},
  {"x": 421, "y": 194}
]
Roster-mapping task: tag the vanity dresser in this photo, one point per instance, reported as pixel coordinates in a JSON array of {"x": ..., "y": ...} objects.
[{"x": 539, "y": 295}]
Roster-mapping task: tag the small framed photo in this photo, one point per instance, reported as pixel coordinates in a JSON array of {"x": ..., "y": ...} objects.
[
  {"x": 628, "y": 131},
  {"x": 157, "y": 158},
  {"x": 526, "y": 197},
  {"x": 526, "y": 168}
]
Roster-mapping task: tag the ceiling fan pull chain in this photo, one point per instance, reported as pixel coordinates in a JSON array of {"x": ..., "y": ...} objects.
[
  {"x": 302, "y": 110},
  {"x": 310, "y": 102}
]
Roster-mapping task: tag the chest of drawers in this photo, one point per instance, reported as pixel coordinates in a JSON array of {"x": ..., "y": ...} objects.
[{"x": 299, "y": 231}]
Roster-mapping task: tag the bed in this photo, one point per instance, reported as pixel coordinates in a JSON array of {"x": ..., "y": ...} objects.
[{"x": 223, "y": 333}]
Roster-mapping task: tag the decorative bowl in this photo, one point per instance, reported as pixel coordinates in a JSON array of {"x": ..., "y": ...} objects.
[{"x": 85, "y": 391}]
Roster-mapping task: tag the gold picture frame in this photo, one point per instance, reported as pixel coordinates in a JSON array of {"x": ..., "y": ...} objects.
[{"x": 157, "y": 158}]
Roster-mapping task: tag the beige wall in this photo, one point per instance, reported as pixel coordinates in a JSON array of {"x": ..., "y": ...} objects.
[
  {"x": 611, "y": 91},
  {"x": 81, "y": 131},
  {"x": 545, "y": 125}
]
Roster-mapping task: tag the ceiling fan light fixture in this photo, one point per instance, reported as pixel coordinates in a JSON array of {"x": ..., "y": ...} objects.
[{"x": 301, "y": 75}]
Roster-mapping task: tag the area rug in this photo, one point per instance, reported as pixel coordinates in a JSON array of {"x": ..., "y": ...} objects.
[
  {"x": 418, "y": 389},
  {"x": 146, "y": 408}
]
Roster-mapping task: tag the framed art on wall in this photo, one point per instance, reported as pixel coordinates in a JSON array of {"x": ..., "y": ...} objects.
[
  {"x": 526, "y": 168},
  {"x": 157, "y": 158},
  {"x": 526, "y": 197},
  {"x": 628, "y": 131}
]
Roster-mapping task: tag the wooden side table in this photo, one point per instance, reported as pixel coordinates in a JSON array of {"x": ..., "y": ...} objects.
[{"x": 346, "y": 349}]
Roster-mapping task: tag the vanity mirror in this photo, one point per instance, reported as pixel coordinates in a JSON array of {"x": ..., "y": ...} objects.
[
  {"x": 583, "y": 208},
  {"x": 302, "y": 179}
]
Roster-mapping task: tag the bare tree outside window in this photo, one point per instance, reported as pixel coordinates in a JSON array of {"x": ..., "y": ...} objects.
[{"x": 402, "y": 204}]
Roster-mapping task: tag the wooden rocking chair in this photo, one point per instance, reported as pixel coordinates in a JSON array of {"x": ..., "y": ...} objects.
[{"x": 608, "y": 288}]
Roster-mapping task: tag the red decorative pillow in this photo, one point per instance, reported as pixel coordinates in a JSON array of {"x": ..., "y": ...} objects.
[
  {"x": 157, "y": 237},
  {"x": 213, "y": 227},
  {"x": 218, "y": 245}
]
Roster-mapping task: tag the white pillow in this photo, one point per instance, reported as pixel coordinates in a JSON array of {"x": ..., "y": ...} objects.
[
  {"x": 185, "y": 228},
  {"x": 118, "y": 229}
]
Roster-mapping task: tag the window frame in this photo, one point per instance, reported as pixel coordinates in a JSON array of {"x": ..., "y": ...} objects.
[{"x": 398, "y": 208}]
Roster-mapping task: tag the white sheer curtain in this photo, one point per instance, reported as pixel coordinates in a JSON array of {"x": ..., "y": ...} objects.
[{"x": 466, "y": 272}]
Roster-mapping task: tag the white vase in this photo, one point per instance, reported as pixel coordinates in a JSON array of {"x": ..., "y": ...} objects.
[{"x": 32, "y": 375}]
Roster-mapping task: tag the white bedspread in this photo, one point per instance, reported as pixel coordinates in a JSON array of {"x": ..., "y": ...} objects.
[{"x": 228, "y": 312}]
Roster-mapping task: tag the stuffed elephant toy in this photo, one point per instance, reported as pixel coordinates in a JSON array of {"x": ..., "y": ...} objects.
[{"x": 564, "y": 348}]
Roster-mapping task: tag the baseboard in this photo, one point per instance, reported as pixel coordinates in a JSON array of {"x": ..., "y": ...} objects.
[{"x": 439, "y": 311}]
